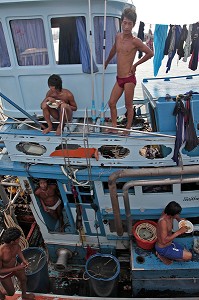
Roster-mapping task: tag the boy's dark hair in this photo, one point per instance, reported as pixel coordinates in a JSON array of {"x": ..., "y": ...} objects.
[
  {"x": 172, "y": 208},
  {"x": 130, "y": 14},
  {"x": 11, "y": 234},
  {"x": 55, "y": 80}
]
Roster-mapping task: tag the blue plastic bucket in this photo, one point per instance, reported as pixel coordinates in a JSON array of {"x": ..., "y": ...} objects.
[
  {"x": 103, "y": 271},
  {"x": 37, "y": 272}
]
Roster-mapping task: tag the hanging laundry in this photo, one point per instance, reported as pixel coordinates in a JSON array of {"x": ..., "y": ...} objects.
[
  {"x": 168, "y": 40},
  {"x": 182, "y": 39},
  {"x": 160, "y": 35},
  {"x": 193, "y": 63},
  {"x": 187, "y": 47},
  {"x": 141, "y": 36},
  {"x": 175, "y": 35},
  {"x": 179, "y": 112},
  {"x": 149, "y": 39},
  {"x": 190, "y": 136}
]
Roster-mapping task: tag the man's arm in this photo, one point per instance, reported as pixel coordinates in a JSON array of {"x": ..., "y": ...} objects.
[
  {"x": 143, "y": 48},
  {"x": 37, "y": 193},
  {"x": 22, "y": 258},
  {"x": 164, "y": 235},
  {"x": 71, "y": 101},
  {"x": 111, "y": 55},
  {"x": 48, "y": 98}
]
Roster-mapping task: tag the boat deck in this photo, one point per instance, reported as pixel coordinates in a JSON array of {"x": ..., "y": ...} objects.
[
  {"x": 147, "y": 260},
  {"x": 17, "y": 296}
]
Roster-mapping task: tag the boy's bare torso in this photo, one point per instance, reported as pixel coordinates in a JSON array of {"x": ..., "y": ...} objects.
[
  {"x": 126, "y": 51},
  {"x": 48, "y": 196},
  {"x": 8, "y": 255},
  {"x": 63, "y": 95}
]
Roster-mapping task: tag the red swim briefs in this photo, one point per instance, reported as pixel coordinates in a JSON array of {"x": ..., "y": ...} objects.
[{"x": 121, "y": 81}]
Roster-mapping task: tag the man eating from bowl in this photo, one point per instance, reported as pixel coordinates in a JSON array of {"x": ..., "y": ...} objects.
[
  {"x": 56, "y": 101},
  {"x": 167, "y": 249}
]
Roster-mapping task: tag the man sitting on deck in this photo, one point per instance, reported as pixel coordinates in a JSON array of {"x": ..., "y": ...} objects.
[
  {"x": 167, "y": 250},
  {"x": 57, "y": 100}
]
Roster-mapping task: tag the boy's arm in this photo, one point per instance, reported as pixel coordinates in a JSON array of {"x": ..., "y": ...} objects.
[
  {"x": 110, "y": 56},
  {"x": 48, "y": 97},
  {"x": 22, "y": 258},
  {"x": 143, "y": 48},
  {"x": 71, "y": 101}
]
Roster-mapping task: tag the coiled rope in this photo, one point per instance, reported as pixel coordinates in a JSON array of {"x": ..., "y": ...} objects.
[{"x": 146, "y": 231}]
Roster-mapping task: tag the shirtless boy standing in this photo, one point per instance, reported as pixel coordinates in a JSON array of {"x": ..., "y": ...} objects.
[
  {"x": 9, "y": 267},
  {"x": 126, "y": 47},
  {"x": 66, "y": 102},
  {"x": 47, "y": 194}
]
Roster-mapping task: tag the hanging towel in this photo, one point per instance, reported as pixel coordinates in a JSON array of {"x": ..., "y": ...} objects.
[
  {"x": 187, "y": 47},
  {"x": 182, "y": 39},
  {"x": 176, "y": 31},
  {"x": 191, "y": 136},
  {"x": 193, "y": 63},
  {"x": 160, "y": 35},
  {"x": 179, "y": 112}
]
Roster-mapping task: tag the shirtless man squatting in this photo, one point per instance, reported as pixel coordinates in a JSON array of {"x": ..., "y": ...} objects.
[
  {"x": 67, "y": 103},
  {"x": 9, "y": 266},
  {"x": 126, "y": 47},
  {"x": 47, "y": 194}
]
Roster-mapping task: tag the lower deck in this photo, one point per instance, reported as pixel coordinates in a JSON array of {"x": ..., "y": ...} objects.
[{"x": 150, "y": 274}]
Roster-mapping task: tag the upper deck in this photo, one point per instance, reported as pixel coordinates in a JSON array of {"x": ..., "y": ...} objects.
[{"x": 39, "y": 38}]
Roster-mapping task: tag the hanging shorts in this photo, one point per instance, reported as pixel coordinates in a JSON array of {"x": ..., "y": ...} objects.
[
  {"x": 173, "y": 251},
  {"x": 121, "y": 81}
]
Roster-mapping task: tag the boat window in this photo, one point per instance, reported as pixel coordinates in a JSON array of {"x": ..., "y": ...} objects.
[
  {"x": 119, "y": 186},
  {"x": 30, "y": 42},
  {"x": 157, "y": 189},
  {"x": 4, "y": 56},
  {"x": 112, "y": 27},
  {"x": 191, "y": 186},
  {"x": 70, "y": 42},
  {"x": 65, "y": 40},
  {"x": 155, "y": 151}
]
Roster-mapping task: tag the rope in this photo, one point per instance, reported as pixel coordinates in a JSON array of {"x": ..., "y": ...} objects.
[
  {"x": 9, "y": 222},
  {"x": 148, "y": 232},
  {"x": 18, "y": 121}
]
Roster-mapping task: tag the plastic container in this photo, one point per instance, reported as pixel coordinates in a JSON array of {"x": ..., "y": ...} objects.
[
  {"x": 143, "y": 242},
  {"x": 37, "y": 272},
  {"x": 103, "y": 271}
]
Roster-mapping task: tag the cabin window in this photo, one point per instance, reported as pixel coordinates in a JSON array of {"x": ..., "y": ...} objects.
[
  {"x": 4, "y": 56},
  {"x": 191, "y": 186},
  {"x": 30, "y": 42},
  {"x": 70, "y": 42},
  {"x": 157, "y": 189},
  {"x": 112, "y": 28},
  {"x": 119, "y": 186}
]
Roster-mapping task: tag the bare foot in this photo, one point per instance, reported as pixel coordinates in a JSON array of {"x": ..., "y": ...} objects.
[
  {"x": 107, "y": 130},
  {"x": 47, "y": 130},
  {"x": 58, "y": 131},
  {"x": 125, "y": 132},
  {"x": 165, "y": 260},
  {"x": 28, "y": 297}
]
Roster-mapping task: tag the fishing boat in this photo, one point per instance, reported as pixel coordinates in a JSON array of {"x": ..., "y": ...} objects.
[{"x": 109, "y": 184}]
